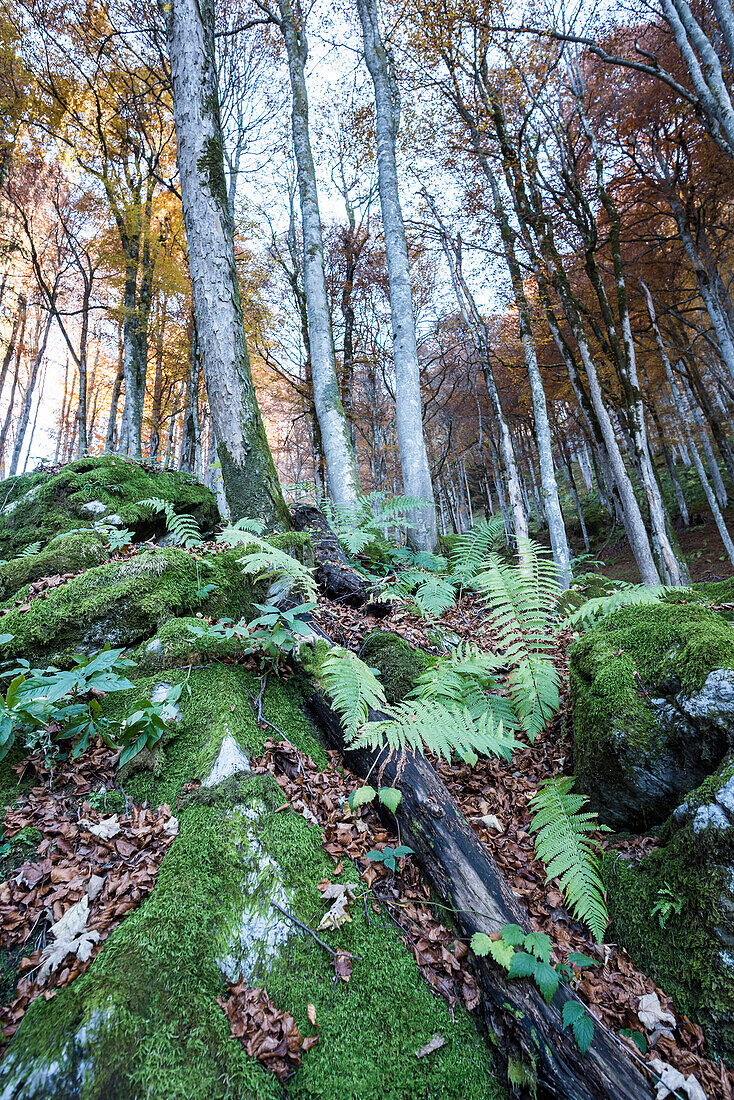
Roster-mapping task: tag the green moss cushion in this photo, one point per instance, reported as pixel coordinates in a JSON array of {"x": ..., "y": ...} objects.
[{"x": 653, "y": 708}]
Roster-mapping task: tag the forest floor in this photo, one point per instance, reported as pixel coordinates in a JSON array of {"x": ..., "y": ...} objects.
[
  {"x": 700, "y": 543},
  {"x": 493, "y": 795}
]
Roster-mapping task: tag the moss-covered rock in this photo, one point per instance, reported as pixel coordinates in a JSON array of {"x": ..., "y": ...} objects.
[
  {"x": 38, "y": 506},
  {"x": 144, "y": 1020},
  {"x": 653, "y": 707},
  {"x": 687, "y": 943},
  {"x": 398, "y": 663},
  {"x": 123, "y": 602},
  {"x": 67, "y": 553}
]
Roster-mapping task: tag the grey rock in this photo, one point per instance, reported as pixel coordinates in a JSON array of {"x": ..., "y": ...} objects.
[
  {"x": 710, "y": 816},
  {"x": 725, "y": 797},
  {"x": 230, "y": 760},
  {"x": 95, "y": 507}
]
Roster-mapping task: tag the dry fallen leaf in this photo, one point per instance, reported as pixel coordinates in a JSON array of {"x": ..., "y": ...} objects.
[
  {"x": 312, "y": 1014},
  {"x": 106, "y": 829}
]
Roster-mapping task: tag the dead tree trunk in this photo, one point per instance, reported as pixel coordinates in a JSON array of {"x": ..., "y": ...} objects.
[{"x": 460, "y": 868}]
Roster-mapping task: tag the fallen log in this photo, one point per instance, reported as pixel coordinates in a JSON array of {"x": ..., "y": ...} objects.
[
  {"x": 335, "y": 575},
  {"x": 460, "y": 868}
]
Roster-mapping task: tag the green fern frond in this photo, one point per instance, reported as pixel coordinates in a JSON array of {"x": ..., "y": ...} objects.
[
  {"x": 182, "y": 527},
  {"x": 568, "y": 853},
  {"x": 632, "y": 596},
  {"x": 29, "y": 550},
  {"x": 429, "y": 725},
  {"x": 245, "y": 523},
  {"x": 521, "y": 609},
  {"x": 261, "y": 559},
  {"x": 472, "y": 548},
  {"x": 353, "y": 687}
]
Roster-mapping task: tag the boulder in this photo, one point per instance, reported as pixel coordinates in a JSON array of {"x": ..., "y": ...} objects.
[
  {"x": 71, "y": 552},
  {"x": 37, "y": 506},
  {"x": 123, "y": 602},
  {"x": 674, "y": 909},
  {"x": 653, "y": 709}
]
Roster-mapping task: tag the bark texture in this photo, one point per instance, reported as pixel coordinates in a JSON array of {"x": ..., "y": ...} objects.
[{"x": 250, "y": 480}]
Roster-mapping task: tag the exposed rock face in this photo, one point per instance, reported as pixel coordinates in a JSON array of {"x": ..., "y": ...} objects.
[
  {"x": 687, "y": 944},
  {"x": 653, "y": 697}
]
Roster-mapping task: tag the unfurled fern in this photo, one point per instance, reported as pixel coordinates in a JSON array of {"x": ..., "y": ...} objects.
[
  {"x": 464, "y": 678},
  {"x": 182, "y": 527},
  {"x": 568, "y": 852},
  {"x": 367, "y": 521},
  {"x": 354, "y": 689},
  {"x": 261, "y": 559},
  {"x": 246, "y": 523},
  {"x": 521, "y": 609},
  {"x": 429, "y": 725},
  {"x": 472, "y": 548},
  {"x": 626, "y": 596}
]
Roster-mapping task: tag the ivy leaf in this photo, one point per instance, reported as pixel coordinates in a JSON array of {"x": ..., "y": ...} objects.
[
  {"x": 361, "y": 796},
  {"x": 513, "y": 934},
  {"x": 547, "y": 980},
  {"x": 538, "y": 944},
  {"x": 581, "y": 960},
  {"x": 403, "y": 850},
  {"x": 523, "y": 965},
  {"x": 390, "y": 797}
]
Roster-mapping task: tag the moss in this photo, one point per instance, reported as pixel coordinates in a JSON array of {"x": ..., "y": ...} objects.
[
  {"x": 671, "y": 648},
  {"x": 69, "y": 553},
  {"x": 120, "y": 602},
  {"x": 398, "y": 663},
  {"x": 149, "y": 1001},
  {"x": 175, "y": 645},
  {"x": 298, "y": 544},
  {"x": 41, "y": 505},
  {"x": 369, "y": 1030},
  {"x": 685, "y": 955}
]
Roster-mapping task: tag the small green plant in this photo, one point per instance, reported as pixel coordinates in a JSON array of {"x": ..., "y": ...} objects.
[
  {"x": 115, "y": 538},
  {"x": 637, "y": 1038},
  {"x": 31, "y": 549},
  {"x": 390, "y": 797},
  {"x": 389, "y": 856},
  {"x": 275, "y": 633},
  {"x": 528, "y": 955},
  {"x": 667, "y": 903}
]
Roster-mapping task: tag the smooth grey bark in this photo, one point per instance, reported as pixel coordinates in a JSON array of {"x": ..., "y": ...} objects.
[
  {"x": 408, "y": 405},
  {"x": 250, "y": 480},
  {"x": 549, "y": 485},
  {"x": 18, "y": 325},
  {"x": 684, "y": 415},
  {"x": 110, "y": 434},
  {"x": 32, "y": 433},
  {"x": 341, "y": 465},
  {"x": 25, "y": 412}
]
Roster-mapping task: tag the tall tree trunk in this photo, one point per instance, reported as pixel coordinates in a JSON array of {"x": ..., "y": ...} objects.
[
  {"x": 341, "y": 465},
  {"x": 409, "y": 410},
  {"x": 250, "y": 480},
  {"x": 28, "y": 398},
  {"x": 32, "y": 433},
  {"x": 683, "y": 413},
  {"x": 18, "y": 327}
]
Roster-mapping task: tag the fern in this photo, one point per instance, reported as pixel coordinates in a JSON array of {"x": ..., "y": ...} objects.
[
  {"x": 31, "y": 549},
  {"x": 568, "y": 853},
  {"x": 261, "y": 559},
  {"x": 428, "y": 725},
  {"x": 245, "y": 523},
  {"x": 182, "y": 527},
  {"x": 464, "y": 678},
  {"x": 472, "y": 548},
  {"x": 367, "y": 521},
  {"x": 431, "y": 594},
  {"x": 521, "y": 609},
  {"x": 629, "y": 596},
  {"x": 353, "y": 687}
]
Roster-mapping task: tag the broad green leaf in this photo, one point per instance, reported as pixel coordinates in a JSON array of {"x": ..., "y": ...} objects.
[
  {"x": 361, "y": 796},
  {"x": 513, "y": 934},
  {"x": 583, "y": 1032},
  {"x": 581, "y": 960},
  {"x": 390, "y": 797},
  {"x": 538, "y": 944},
  {"x": 523, "y": 965},
  {"x": 547, "y": 980}
]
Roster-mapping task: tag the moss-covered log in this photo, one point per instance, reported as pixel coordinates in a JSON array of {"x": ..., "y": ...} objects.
[{"x": 461, "y": 869}]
